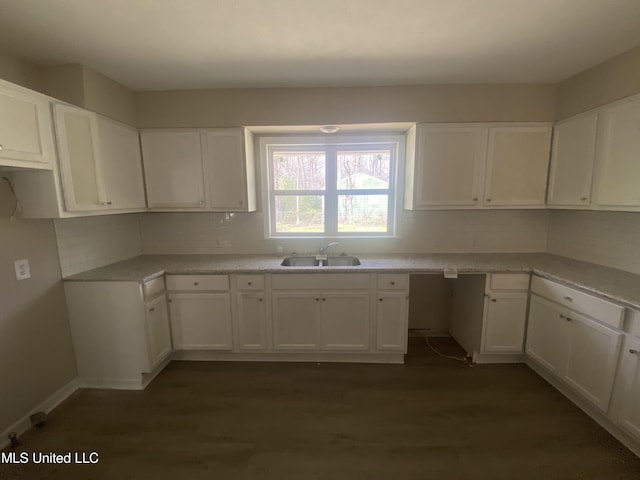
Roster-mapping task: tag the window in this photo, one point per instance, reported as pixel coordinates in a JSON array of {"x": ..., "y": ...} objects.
[{"x": 336, "y": 189}]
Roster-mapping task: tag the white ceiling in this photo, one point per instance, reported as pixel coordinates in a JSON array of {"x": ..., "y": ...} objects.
[{"x": 184, "y": 44}]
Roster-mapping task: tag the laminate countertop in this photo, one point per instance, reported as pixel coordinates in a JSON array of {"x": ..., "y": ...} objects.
[{"x": 616, "y": 285}]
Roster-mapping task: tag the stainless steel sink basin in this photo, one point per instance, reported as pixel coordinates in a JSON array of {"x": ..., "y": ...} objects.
[
  {"x": 341, "y": 261},
  {"x": 300, "y": 262},
  {"x": 312, "y": 261}
]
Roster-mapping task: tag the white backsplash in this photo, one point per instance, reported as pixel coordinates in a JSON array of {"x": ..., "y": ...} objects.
[
  {"x": 421, "y": 232},
  {"x": 611, "y": 239},
  {"x": 91, "y": 242}
]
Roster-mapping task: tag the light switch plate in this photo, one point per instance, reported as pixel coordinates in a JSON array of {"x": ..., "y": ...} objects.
[{"x": 22, "y": 269}]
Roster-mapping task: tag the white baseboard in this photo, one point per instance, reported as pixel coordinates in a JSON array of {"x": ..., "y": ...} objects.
[
  {"x": 24, "y": 424},
  {"x": 212, "y": 355},
  {"x": 497, "y": 358},
  {"x": 596, "y": 415}
]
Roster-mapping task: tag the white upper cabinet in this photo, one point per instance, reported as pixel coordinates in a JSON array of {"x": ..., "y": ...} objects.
[
  {"x": 209, "y": 170},
  {"x": 572, "y": 157},
  {"x": 26, "y": 137},
  {"x": 477, "y": 166},
  {"x": 173, "y": 168},
  {"x": 229, "y": 170},
  {"x": 121, "y": 164},
  {"x": 99, "y": 160},
  {"x": 450, "y": 165},
  {"x": 517, "y": 164},
  {"x": 78, "y": 151},
  {"x": 617, "y": 173}
]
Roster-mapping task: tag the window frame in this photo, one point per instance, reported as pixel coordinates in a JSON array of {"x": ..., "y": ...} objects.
[{"x": 331, "y": 146}]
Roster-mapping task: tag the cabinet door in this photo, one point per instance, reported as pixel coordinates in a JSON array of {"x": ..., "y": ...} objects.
[
  {"x": 296, "y": 324},
  {"x": 517, "y": 164},
  {"x": 504, "y": 322},
  {"x": 173, "y": 169},
  {"x": 25, "y": 129},
  {"x": 200, "y": 321},
  {"x": 629, "y": 417},
  {"x": 449, "y": 166},
  {"x": 158, "y": 332},
  {"x": 617, "y": 165},
  {"x": 225, "y": 168},
  {"x": 592, "y": 361},
  {"x": 572, "y": 157},
  {"x": 121, "y": 165},
  {"x": 77, "y": 134},
  {"x": 344, "y": 320},
  {"x": 548, "y": 335},
  {"x": 391, "y": 321},
  {"x": 251, "y": 321}
]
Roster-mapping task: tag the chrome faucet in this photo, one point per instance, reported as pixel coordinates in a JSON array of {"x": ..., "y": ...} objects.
[{"x": 323, "y": 250}]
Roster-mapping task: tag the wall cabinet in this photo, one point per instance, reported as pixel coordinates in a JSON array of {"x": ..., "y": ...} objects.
[
  {"x": 505, "y": 313},
  {"x": 579, "y": 350},
  {"x": 477, "y": 166},
  {"x": 200, "y": 312},
  {"x": 26, "y": 135},
  {"x": 617, "y": 173},
  {"x": 572, "y": 160},
  {"x": 208, "y": 170}
]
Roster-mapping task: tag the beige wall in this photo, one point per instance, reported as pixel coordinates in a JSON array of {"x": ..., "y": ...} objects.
[
  {"x": 109, "y": 98},
  {"x": 22, "y": 73},
  {"x": 612, "y": 80},
  {"x": 36, "y": 353},
  {"x": 317, "y": 106},
  {"x": 64, "y": 82}
]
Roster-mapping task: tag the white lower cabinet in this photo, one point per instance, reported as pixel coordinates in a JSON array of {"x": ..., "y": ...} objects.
[
  {"x": 344, "y": 320},
  {"x": 505, "y": 313},
  {"x": 580, "y": 351},
  {"x": 251, "y": 323},
  {"x": 391, "y": 320},
  {"x": 628, "y": 416},
  {"x": 200, "y": 321},
  {"x": 296, "y": 320},
  {"x": 158, "y": 332},
  {"x": 548, "y": 335}
]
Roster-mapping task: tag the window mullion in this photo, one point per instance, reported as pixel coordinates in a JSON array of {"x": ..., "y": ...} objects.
[{"x": 331, "y": 198}]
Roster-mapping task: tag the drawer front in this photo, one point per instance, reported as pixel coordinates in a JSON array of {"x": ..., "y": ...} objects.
[
  {"x": 321, "y": 281},
  {"x": 198, "y": 283},
  {"x": 153, "y": 288},
  {"x": 393, "y": 281},
  {"x": 509, "y": 281},
  {"x": 602, "y": 310},
  {"x": 250, "y": 282}
]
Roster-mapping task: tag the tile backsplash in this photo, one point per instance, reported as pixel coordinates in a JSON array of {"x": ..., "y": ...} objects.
[
  {"x": 611, "y": 239},
  {"x": 421, "y": 232},
  {"x": 91, "y": 242}
]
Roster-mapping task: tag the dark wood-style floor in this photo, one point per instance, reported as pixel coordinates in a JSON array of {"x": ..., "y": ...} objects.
[{"x": 428, "y": 419}]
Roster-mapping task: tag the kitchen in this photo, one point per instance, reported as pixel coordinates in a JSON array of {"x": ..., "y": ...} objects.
[{"x": 65, "y": 247}]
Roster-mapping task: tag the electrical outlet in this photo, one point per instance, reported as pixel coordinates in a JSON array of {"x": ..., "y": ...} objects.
[{"x": 22, "y": 269}]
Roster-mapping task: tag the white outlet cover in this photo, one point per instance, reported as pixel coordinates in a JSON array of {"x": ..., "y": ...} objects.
[{"x": 23, "y": 271}]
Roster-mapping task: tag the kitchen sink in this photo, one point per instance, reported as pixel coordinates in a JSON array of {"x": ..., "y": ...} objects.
[
  {"x": 313, "y": 261},
  {"x": 296, "y": 261},
  {"x": 341, "y": 261}
]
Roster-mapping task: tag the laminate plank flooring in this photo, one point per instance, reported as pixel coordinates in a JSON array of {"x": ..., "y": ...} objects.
[{"x": 430, "y": 418}]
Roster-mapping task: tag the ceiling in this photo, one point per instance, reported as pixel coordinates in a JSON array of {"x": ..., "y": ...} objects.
[{"x": 186, "y": 44}]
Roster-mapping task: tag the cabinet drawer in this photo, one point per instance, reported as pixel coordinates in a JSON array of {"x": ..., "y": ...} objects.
[
  {"x": 153, "y": 288},
  {"x": 250, "y": 282},
  {"x": 509, "y": 281},
  {"x": 594, "y": 307},
  {"x": 198, "y": 282},
  {"x": 320, "y": 281},
  {"x": 393, "y": 281}
]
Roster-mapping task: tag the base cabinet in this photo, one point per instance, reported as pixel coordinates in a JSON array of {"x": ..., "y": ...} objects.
[
  {"x": 391, "y": 319},
  {"x": 158, "y": 332},
  {"x": 344, "y": 321},
  {"x": 251, "y": 323},
  {"x": 629, "y": 413},
  {"x": 201, "y": 321},
  {"x": 548, "y": 335},
  {"x": 296, "y": 320}
]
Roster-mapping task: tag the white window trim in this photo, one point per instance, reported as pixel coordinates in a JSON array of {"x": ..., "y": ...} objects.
[{"x": 395, "y": 190}]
